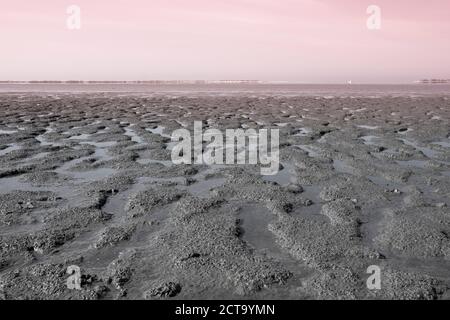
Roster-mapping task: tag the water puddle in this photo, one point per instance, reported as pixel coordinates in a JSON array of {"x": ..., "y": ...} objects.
[
  {"x": 312, "y": 211},
  {"x": 312, "y": 192},
  {"x": 10, "y": 148},
  {"x": 106, "y": 144},
  {"x": 414, "y": 163},
  {"x": 254, "y": 221},
  {"x": 201, "y": 189},
  {"x": 11, "y": 184},
  {"x": 40, "y": 155},
  {"x": 101, "y": 155},
  {"x": 341, "y": 166},
  {"x": 115, "y": 204},
  {"x": 444, "y": 144},
  {"x": 89, "y": 175},
  {"x": 284, "y": 176},
  {"x": 7, "y": 131},
  {"x": 134, "y": 137},
  {"x": 41, "y": 139},
  {"x": 311, "y": 150},
  {"x": 370, "y": 140},
  {"x": 64, "y": 169},
  {"x": 303, "y": 132},
  {"x": 368, "y": 127},
  {"x": 166, "y": 163},
  {"x": 93, "y": 175},
  {"x": 44, "y": 142},
  {"x": 83, "y": 136},
  {"x": 384, "y": 183},
  {"x": 159, "y": 131},
  {"x": 426, "y": 151}
]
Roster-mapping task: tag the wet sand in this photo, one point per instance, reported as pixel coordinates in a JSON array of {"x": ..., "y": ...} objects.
[{"x": 87, "y": 180}]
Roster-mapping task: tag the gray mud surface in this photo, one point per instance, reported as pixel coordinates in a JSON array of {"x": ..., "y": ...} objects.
[{"x": 87, "y": 180}]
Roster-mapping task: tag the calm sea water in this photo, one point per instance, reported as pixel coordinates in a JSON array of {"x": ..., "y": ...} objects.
[{"x": 236, "y": 89}]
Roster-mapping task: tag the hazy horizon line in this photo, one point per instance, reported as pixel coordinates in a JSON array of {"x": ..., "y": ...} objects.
[{"x": 221, "y": 81}]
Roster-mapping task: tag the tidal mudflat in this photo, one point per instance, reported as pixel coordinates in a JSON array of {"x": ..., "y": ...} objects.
[{"x": 87, "y": 180}]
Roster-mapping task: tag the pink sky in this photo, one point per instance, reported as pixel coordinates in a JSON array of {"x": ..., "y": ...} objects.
[{"x": 323, "y": 41}]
